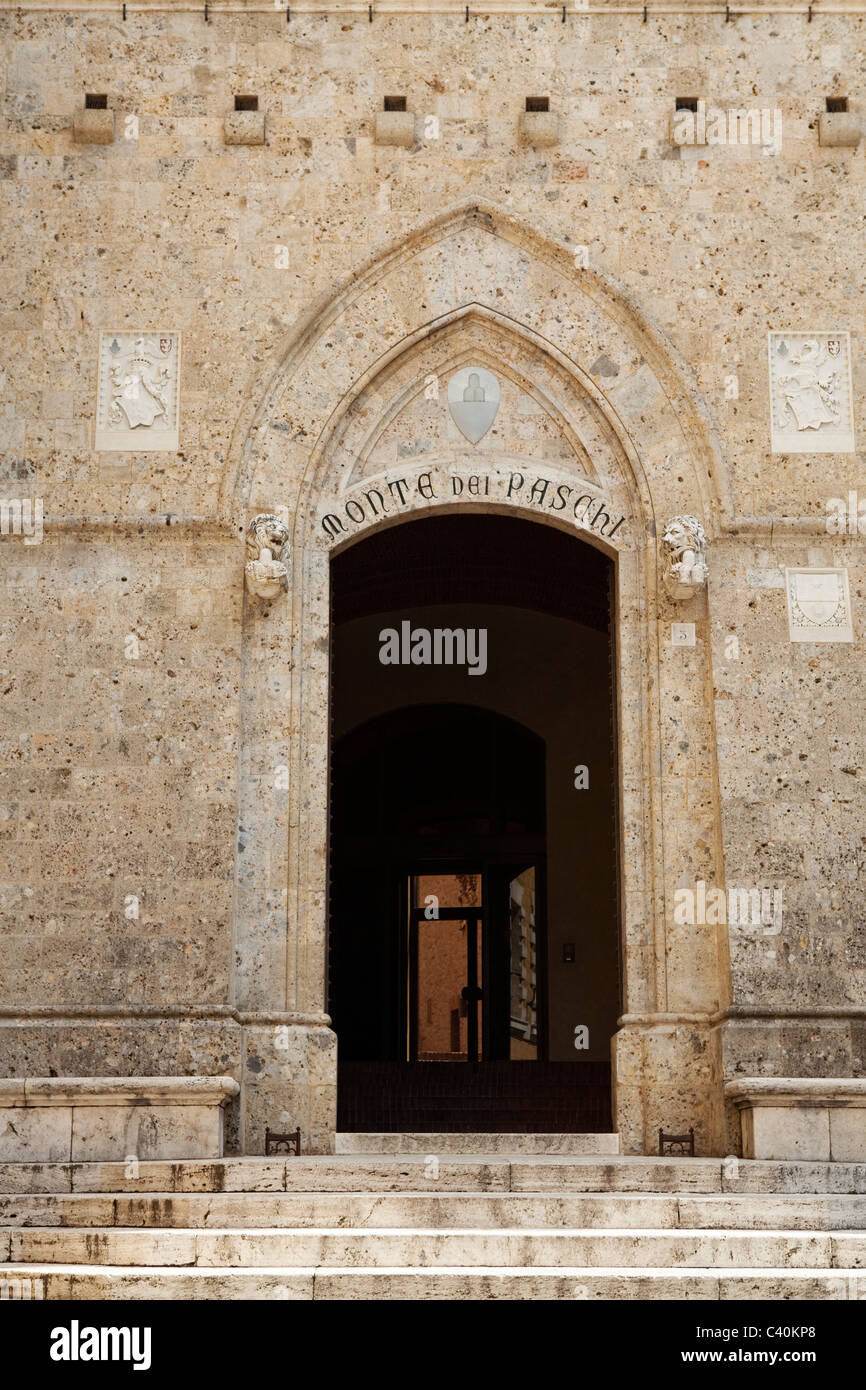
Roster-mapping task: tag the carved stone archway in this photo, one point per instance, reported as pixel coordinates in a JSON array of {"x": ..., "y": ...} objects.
[{"x": 622, "y": 439}]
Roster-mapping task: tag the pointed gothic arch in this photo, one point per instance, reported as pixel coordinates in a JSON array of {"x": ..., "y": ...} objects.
[
  {"x": 477, "y": 257},
  {"x": 476, "y": 283}
]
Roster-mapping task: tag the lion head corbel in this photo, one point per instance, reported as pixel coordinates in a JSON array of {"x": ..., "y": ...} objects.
[
  {"x": 685, "y": 552},
  {"x": 267, "y": 551}
]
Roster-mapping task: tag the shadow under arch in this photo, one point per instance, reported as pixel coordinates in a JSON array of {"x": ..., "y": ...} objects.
[{"x": 439, "y": 779}]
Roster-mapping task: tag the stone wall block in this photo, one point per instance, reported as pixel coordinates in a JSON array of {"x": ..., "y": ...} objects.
[
  {"x": 395, "y": 128},
  {"x": 839, "y": 128},
  {"x": 290, "y": 1076},
  {"x": 244, "y": 128},
  {"x": 93, "y": 127},
  {"x": 538, "y": 128}
]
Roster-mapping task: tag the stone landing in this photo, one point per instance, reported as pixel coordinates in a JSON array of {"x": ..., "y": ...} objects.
[{"x": 476, "y": 1143}]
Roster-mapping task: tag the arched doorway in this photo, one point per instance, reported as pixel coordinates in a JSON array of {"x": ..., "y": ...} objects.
[
  {"x": 343, "y": 408},
  {"x": 473, "y": 965}
]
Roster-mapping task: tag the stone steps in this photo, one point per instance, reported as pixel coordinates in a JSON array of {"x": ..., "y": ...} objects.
[
  {"x": 410, "y": 1247},
  {"x": 441, "y": 1210},
  {"x": 92, "y": 1282},
  {"x": 436, "y": 1225}
]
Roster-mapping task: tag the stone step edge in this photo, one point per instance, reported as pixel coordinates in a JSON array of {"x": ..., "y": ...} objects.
[
  {"x": 574, "y": 1282},
  {"x": 565, "y": 1189},
  {"x": 448, "y": 1194},
  {"x": 530, "y": 1232},
  {"x": 345, "y": 1161},
  {"x": 838, "y": 1214},
  {"x": 494, "y": 1174},
  {"x": 634, "y": 1272}
]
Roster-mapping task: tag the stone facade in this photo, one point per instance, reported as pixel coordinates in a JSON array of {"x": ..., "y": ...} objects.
[{"x": 164, "y": 728}]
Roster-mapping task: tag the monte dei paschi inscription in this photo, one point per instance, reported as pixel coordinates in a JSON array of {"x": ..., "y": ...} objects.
[{"x": 438, "y": 485}]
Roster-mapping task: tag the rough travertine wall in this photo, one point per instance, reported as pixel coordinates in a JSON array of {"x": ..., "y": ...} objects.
[{"x": 121, "y": 772}]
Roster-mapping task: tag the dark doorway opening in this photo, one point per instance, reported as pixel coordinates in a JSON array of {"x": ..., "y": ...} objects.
[
  {"x": 461, "y": 855},
  {"x": 437, "y": 835}
]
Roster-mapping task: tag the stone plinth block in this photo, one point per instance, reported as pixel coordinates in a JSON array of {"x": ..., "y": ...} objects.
[
  {"x": 93, "y": 127},
  {"x": 797, "y": 1117},
  {"x": 837, "y": 128},
  {"x": 290, "y": 1081},
  {"x": 244, "y": 128},
  {"x": 395, "y": 128},
  {"x": 663, "y": 1079},
  {"x": 109, "y": 1118},
  {"x": 539, "y": 128}
]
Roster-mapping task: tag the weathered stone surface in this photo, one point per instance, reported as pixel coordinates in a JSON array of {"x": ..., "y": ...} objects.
[
  {"x": 163, "y": 872},
  {"x": 840, "y": 128},
  {"x": 805, "y": 1117},
  {"x": 395, "y": 128},
  {"x": 93, "y": 127},
  {"x": 539, "y": 128},
  {"x": 244, "y": 128},
  {"x": 94, "y": 1119},
  {"x": 160, "y": 1131},
  {"x": 113, "y": 1284},
  {"x": 448, "y": 1249},
  {"x": 128, "y": 1091},
  {"x": 445, "y": 1242},
  {"x": 453, "y": 1144},
  {"x": 29, "y": 1134},
  {"x": 480, "y": 1210}
]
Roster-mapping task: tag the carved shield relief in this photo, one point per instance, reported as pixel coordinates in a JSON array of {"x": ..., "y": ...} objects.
[
  {"x": 819, "y": 605},
  {"x": 137, "y": 402},
  {"x": 810, "y": 393},
  {"x": 473, "y": 399}
]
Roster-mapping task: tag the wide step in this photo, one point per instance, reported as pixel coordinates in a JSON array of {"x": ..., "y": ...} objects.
[
  {"x": 487, "y": 1210},
  {"x": 457, "y": 1173},
  {"x": 417, "y": 1247}
]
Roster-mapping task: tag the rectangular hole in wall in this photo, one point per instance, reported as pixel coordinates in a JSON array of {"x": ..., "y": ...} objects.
[
  {"x": 538, "y": 103},
  {"x": 837, "y": 104},
  {"x": 395, "y": 103},
  {"x": 95, "y": 101},
  {"x": 246, "y": 103},
  {"x": 687, "y": 103}
]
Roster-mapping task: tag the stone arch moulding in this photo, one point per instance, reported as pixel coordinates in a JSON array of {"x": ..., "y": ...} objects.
[
  {"x": 474, "y": 253},
  {"x": 477, "y": 285}
]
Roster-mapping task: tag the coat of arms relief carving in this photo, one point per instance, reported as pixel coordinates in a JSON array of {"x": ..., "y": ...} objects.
[
  {"x": 473, "y": 400},
  {"x": 819, "y": 605},
  {"x": 810, "y": 393},
  {"x": 137, "y": 397}
]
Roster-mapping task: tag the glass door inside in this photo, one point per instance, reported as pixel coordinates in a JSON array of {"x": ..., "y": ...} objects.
[
  {"x": 445, "y": 960},
  {"x": 471, "y": 968}
]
